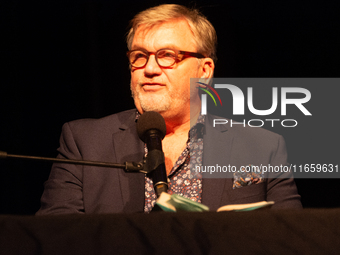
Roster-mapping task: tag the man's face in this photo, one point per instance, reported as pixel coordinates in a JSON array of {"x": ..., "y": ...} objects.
[{"x": 164, "y": 90}]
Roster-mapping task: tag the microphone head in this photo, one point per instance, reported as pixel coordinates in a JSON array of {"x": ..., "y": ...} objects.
[{"x": 150, "y": 121}]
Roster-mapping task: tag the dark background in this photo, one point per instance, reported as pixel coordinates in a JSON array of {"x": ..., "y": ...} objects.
[{"x": 65, "y": 60}]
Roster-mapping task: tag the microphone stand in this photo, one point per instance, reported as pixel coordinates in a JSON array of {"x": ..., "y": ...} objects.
[{"x": 129, "y": 167}]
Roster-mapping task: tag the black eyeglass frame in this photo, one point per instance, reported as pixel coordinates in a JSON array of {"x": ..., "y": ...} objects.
[{"x": 180, "y": 55}]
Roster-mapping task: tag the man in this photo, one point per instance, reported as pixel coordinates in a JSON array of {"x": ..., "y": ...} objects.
[{"x": 168, "y": 45}]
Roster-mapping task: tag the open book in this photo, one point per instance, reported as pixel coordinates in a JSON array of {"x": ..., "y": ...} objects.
[{"x": 175, "y": 203}]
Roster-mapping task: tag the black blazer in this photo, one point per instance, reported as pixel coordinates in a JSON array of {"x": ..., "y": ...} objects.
[{"x": 88, "y": 189}]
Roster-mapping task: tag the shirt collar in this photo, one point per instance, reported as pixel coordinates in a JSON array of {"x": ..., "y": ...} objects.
[{"x": 198, "y": 128}]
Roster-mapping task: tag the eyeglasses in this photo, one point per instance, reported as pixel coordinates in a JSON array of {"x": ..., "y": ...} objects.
[{"x": 164, "y": 57}]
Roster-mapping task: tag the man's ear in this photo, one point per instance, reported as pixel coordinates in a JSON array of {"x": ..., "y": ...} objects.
[{"x": 207, "y": 68}]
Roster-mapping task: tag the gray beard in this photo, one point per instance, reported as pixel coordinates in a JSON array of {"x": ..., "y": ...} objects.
[{"x": 157, "y": 103}]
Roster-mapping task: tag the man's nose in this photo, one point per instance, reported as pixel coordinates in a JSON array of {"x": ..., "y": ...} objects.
[{"x": 152, "y": 67}]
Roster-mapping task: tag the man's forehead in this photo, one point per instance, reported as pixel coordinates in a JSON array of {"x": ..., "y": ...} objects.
[
  {"x": 171, "y": 23},
  {"x": 178, "y": 25},
  {"x": 158, "y": 31}
]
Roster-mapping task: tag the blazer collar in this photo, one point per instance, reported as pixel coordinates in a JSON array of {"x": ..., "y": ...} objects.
[{"x": 128, "y": 147}]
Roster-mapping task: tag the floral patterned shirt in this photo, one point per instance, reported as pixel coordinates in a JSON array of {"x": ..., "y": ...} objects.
[{"x": 181, "y": 179}]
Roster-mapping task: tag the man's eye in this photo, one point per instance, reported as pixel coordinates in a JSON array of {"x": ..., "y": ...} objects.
[
  {"x": 140, "y": 55},
  {"x": 166, "y": 54}
]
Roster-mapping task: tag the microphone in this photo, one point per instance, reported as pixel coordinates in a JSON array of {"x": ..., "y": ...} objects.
[{"x": 151, "y": 129}]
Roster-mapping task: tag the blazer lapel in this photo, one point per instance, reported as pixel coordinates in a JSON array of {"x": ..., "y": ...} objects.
[
  {"x": 216, "y": 150},
  {"x": 128, "y": 147},
  {"x": 217, "y": 144}
]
